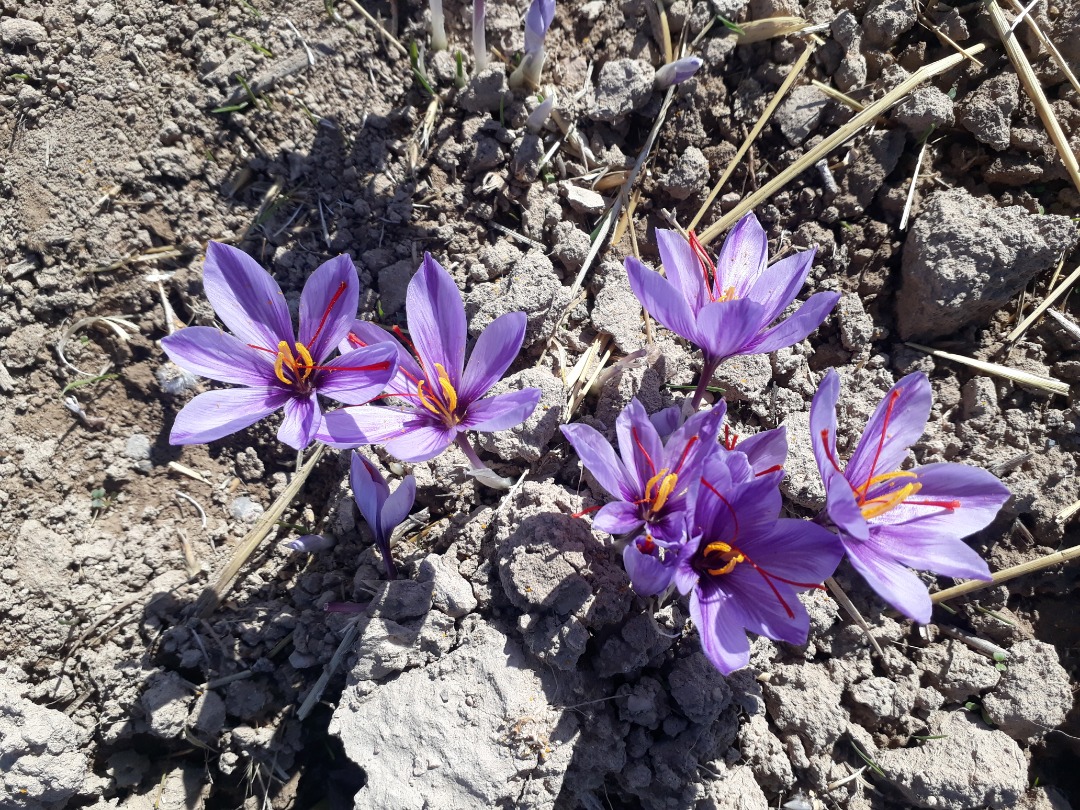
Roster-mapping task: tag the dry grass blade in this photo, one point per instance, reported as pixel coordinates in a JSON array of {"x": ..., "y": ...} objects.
[
  {"x": 836, "y": 95},
  {"x": 116, "y": 323},
  {"x": 841, "y": 136},
  {"x": 1066, "y": 323},
  {"x": 1059, "y": 60},
  {"x": 342, "y": 650},
  {"x": 1036, "y": 313},
  {"x": 853, "y": 612},
  {"x": 612, "y": 215},
  {"x": 1006, "y": 574},
  {"x": 914, "y": 184},
  {"x": 766, "y": 114},
  {"x": 1048, "y": 384},
  {"x": 211, "y": 597},
  {"x": 760, "y": 30},
  {"x": 1034, "y": 90},
  {"x": 390, "y": 37}
]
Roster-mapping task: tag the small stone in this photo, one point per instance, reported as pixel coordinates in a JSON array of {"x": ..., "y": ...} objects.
[
  {"x": 926, "y": 107},
  {"x": 987, "y": 113},
  {"x": 166, "y": 704},
  {"x": 887, "y": 20},
  {"x": 452, "y": 593},
  {"x": 393, "y": 286},
  {"x": 486, "y": 91},
  {"x": 582, "y": 200},
  {"x": 245, "y": 510},
  {"x": 689, "y": 175},
  {"x": 21, "y": 33},
  {"x": 800, "y": 113},
  {"x": 1034, "y": 694},
  {"x": 624, "y": 85}
]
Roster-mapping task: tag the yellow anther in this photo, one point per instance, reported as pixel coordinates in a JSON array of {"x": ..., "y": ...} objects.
[
  {"x": 284, "y": 358},
  {"x": 667, "y": 486},
  {"x": 427, "y": 403},
  {"x": 879, "y": 506},
  {"x": 877, "y": 479},
  {"x": 306, "y": 363},
  {"x": 730, "y": 556},
  {"x": 447, "y": 388},
  {"x": 729, "y": 294}
]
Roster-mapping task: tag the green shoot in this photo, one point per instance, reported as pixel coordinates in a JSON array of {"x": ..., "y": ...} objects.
[
  {"x": 416, "y": 61},
  {"x": 99, "y": 501},
  {"x": 734, "y": 27},
  {"x": 925, "y": 737},
  {"x": 247, "y": 89},
  {"x": 251, "y": 9},
  {"x": 21, "y": 77},
  {"x": 459, "y": 78},
  {"x": 80, "y": 383},
  {"x": 711, "y": 389},
  {"x": 869, "y": 762},
  {"x": 229, "y": 108},
  {"x": 255, "y": 46}
]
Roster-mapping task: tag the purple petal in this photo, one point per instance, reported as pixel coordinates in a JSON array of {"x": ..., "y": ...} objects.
[
  {"x": 677, "y": 72},
  {"x": 618, "y": 517},
  {"x": 742, "y": 258},
  {"x": 823, "y": 422},
  {"x": 599, "y": 458},
  {"x": 437, "y": 320},
  {"x": 727, "y": 328},
  {"x": 639, "y": 446},
  {"x": 303, "y": 417},
  {"x": 422, "y": 440},
  {"x": 766, "y": 450},
  {"x": 802, "y": 322},
  {"x": 398, "y": 505},
  {"x": 780, "y": 282},
  {"x": 245, "y": 297},
  {"x": 723, "y": 639},
  {"x": 212, "y": 353},
  {"x": 537, "y": 21},
  {"x": 501, "y": 411},
  {"x": 492, "y": 354},
  {"x": 843, "y": 509},
  {"x": 347, "y": 428},
  {"x": 647, "y": 574},
  {"x": 705, "y": 426},
  {"x": 682, "y": 268},
  {"x": 892, "y": 581},
  {"x": 218, "y": 413},
  {"x": 768, "y": 609},
  {"x": 360, "y": 375},
  {"x": 667, "y": 421},
  {"x": 328, "y": 306},
  {"x": 976, "y": 493},
  {"x": 796, "y": 550},
  {"x": 370, "y": 490},
  {"x": 897, "y": 423},
  {"x": 662, "y": 300},
  {"x": 939, "y": 551},
  {"x": 409, "y": 373}
]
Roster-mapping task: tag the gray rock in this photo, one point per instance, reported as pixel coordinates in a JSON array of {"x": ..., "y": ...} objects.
[
  {"x": 473, "y": 730},
  {"x": 529, "y": 440},
  {"x": 926, "y": 107},
  {"x": 496, "y": 260},
  {"x": 42, "y": 762},
  {"x": 208, "y": 715},
  {"x": 958, "y": 672},
  {"x": 571, "y": 245},
  {"x": 875, "y": 158},
  {"x": 452, "y": 594},
  {"x": 403, "y": 599},
  {"x": 245, "y": 510},
  {"x": 689, "y": 175},
  {"x": 166, "y": 703},
  {"x": 887, "y": 20},
  {"x": 802, "y": 481},
  {"x": 624, "y": 85},
  {"x": 617, "y": 310},
  {"x": 533, "y": 288},
  {"x": 127, "y": 768},
  {"x": 21, "y": 33},
  {"x": 800, "y": 113},
  {"x": 644, "y": 702},
  {"x": 883, "y": 698},
  {"x": 804, "y": 702},
  {"x": 486, "y": 91},
  {"x": 856, "y": 325},
  {"x": 969, "y": 767},
  {"x": 536, "y": 575},
  {"x": 765, "y": 755},
  {"x": 582, "y": 200},
  {"x": 1034, "y": 694},
  {"x": 964, "y": 260},
  {"x": 393, "y": 285},
  {"x": 744, "y": 377},
  {"x": 698, "y": 688},
  {"x": 137, "y": 447},
  {"x": 987, "y": 113}
]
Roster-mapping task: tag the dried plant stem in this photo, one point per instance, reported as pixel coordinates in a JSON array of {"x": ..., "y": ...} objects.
[
  {"x": 1034, "y": 90},
  {"x": 379, "y": 27},
  {"x": 853, "y": 612},
  {"x": 211, "y": 597},
  {"x": 1006, "y": 574},
  {"x": 770, "y": 108},
  {"x": 838, "y": 138},
  {"x": 1036, "y": 313},
  {"x": 1059, "y": 60},
  {"x": 1048, "y": 384}
]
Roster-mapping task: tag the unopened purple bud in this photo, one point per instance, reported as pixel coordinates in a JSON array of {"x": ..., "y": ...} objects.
[
  {"x": 677, "y": 72},
  {"x": 311, "y": 543},
  {"x": 537, "y": 22}
]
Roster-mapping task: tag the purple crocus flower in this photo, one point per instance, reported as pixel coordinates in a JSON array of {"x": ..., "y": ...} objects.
[
  {"x": 263, "y": 353},
  {"x": 538, "y": 20},
  {"x": 743, "y": 565},
  {"x": 676, "y": 72},
  {"x": 891, "y": 520},
  {"x": 653, "y": 483},
  {"x": 383, "y": 510},
  {"x": 439, "y": 396},
  {"x": 726, "y": 309}
]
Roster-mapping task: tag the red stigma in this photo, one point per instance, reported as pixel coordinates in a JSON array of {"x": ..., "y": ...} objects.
[
  {"x": 685, "y": 453},
  {"x": 586, "y": 511},
  {"x": 771, "y": 469},
  {"x": 893, "y": 397},
  {"x": 730, "y": 438},
  {"x": 340, "y": 290},
  {"x": 644, "y": 452},
  {"x": 706, "y": 263}
]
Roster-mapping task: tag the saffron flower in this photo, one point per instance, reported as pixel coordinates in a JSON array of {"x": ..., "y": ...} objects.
[
  {"x": 438, "y": 396},
  {"x": 891, "y": 520},
  {"x": 382, "y": 509},
  {"x": 743, "y": 565},
  {"x": 264, "y": 354},
  {"x": 676, "y": 72},
  {"x": 538, "y": 20},
  {"x": 653, "y": 483},
  {"x": 726, "y": 309}
]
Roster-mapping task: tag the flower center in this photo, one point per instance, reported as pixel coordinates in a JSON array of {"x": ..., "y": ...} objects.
[
  {"x": 442, "y": 403},
  {"x": 708, "y": 270},
  {"x": 660, "y": 485},
  {"x": 299, "y": 365},
  {"x": 721, "y": 558}
]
